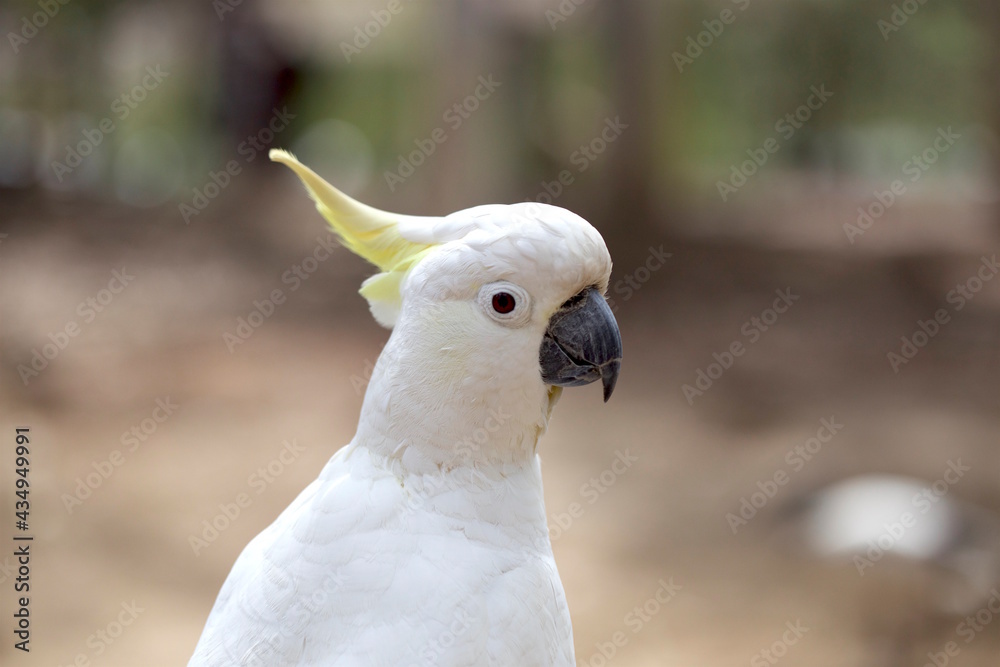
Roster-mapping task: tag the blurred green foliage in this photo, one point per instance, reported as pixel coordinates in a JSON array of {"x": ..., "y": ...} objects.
[{"x": 891, "y": 90}]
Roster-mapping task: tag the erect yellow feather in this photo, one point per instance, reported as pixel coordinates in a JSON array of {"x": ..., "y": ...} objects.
[{"x": 368, "y": 232}]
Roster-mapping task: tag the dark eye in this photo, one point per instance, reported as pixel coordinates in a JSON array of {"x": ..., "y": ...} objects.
[{"x": 503, "y": 302}]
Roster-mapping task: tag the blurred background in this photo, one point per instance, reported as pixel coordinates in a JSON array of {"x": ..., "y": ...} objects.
[{"x": 800, "y": 463}]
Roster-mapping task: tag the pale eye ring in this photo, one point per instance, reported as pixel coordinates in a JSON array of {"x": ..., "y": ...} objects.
[{"x": 505, "y": 303}]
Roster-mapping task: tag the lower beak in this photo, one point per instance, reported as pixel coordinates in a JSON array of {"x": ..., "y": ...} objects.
[{"x": 582, "y": 344}]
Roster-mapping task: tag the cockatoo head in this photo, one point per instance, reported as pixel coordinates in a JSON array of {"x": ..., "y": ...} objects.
[
  {"x": 492, "y": 307},
  {"x": 519, "y": 289}
]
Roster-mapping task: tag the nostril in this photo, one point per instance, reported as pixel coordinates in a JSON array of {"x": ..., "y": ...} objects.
[{"x": 573, "y": 300}]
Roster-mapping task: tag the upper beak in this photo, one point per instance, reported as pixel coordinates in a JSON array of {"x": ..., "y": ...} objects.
[{"x": 582, "y": 344}]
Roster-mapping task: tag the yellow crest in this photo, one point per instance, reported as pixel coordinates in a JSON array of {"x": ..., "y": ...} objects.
[{"x": 369, "y": 233}]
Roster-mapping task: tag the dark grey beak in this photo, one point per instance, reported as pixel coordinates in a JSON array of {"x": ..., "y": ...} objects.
[{"x": 582, "y": 344}]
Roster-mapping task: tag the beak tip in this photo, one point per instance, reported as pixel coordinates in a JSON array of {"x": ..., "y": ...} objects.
[{"x": 609, "y": 378}]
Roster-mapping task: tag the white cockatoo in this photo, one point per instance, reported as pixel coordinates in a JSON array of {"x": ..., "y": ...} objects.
[{"x": 424, "y": 541}]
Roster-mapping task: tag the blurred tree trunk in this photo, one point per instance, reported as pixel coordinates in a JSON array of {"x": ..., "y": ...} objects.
[
  {"x": 991, "y": 81},
  {"x": 460, "y": 58},
  {"x": 485, "y": 38},
  {"x": 508, "y": 42},
  {"x": 638, "y": 201}
]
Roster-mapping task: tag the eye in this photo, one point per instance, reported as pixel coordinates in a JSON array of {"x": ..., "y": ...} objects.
[{"x": 503, "y": 302}]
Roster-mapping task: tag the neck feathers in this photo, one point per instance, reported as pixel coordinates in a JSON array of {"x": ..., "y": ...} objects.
[{"x": 436, "y": 414}]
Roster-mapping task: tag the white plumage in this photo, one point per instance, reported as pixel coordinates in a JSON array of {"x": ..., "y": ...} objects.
[{"x": 424, "y": 541}]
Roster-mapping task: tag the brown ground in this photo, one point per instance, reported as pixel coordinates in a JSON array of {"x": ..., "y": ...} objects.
[{"x": 662, "y": 519}]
